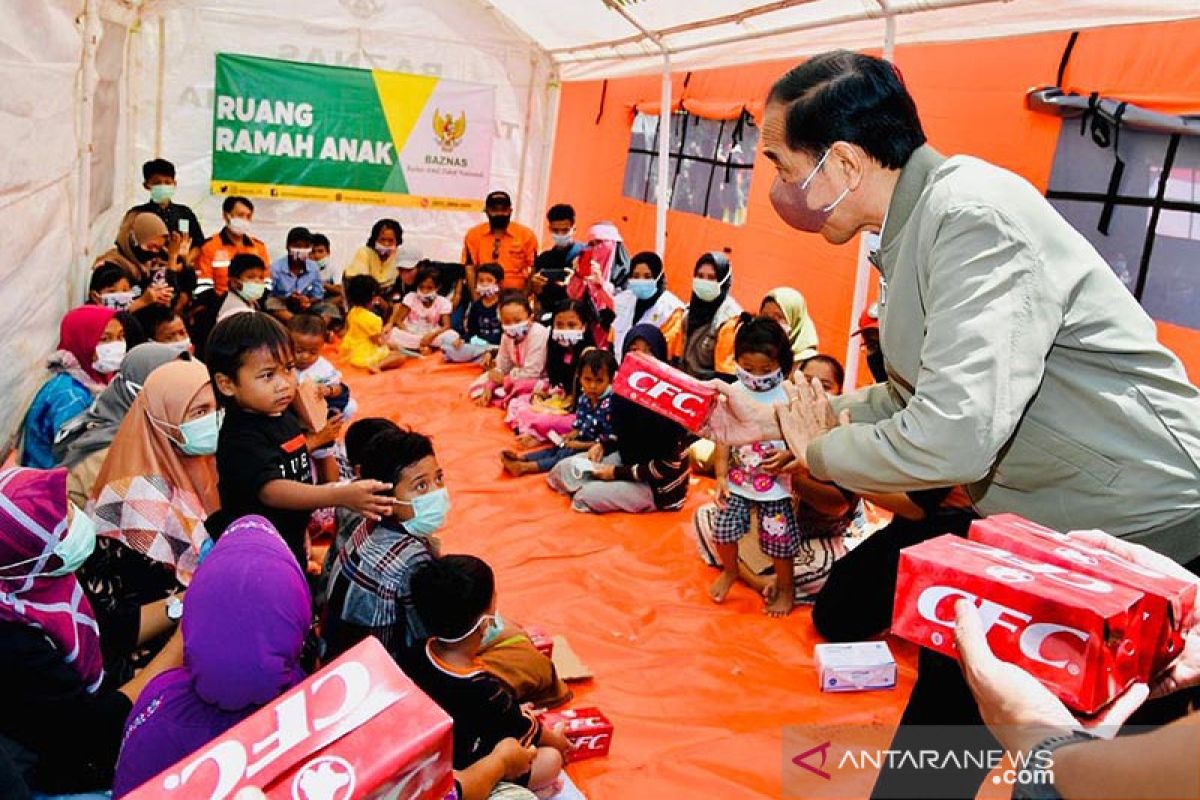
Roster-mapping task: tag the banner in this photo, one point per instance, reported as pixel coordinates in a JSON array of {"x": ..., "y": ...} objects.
[{"x": 313, "y": 132}]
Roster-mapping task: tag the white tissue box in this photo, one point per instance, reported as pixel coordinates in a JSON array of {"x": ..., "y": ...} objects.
[{"x": 855, "y": 666}]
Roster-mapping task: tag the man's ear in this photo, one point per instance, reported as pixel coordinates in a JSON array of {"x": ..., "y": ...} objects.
[
  {"x": 850, "y": 161},
  {"x": 226, "y": 386}
]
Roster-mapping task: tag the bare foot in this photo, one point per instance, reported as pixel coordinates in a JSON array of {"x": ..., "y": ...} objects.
[
  {"x": 374, "y": 370},
  {"x": 508, "y": 455},
  {"x": 780, "y": 606},
  {"x": 527, "y": 442},
  {"x": 721, "y": 586}
]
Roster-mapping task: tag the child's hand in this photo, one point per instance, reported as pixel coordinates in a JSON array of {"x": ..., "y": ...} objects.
[
  {"x": 367, "y": 498},
  {"x": 517, "y": 759},
  {"x": 595, "y": 453},
  {"x": 557, "y": 739},
  {"x": 778, "y": 462},
  {"x": 485, "y": 397},
  {"x": 722, "y": 492},
  {"x": 489, "y": 358},
  {"x": 605, "y": 472},
  {"x": 496, "y": 376}
]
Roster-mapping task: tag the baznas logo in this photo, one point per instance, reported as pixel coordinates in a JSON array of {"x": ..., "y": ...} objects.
[
  {"x": 448, "y": 130},
  {"x": 363, "y": 9}
]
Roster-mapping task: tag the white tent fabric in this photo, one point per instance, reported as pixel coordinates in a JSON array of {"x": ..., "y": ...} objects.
[
  {"x": 595, "y": 40},
  {"x": 94, "y": 87}
]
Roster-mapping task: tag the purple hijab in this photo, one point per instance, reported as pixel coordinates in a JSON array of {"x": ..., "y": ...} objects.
[{"x": 246, "y": 614}]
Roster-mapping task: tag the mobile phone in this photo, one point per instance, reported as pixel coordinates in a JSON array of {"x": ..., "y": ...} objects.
[
  {"x": 185, "y": 226},
  {"x": 160, "y": 277}
]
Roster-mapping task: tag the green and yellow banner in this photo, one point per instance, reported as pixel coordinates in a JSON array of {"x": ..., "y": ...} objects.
[{"x": 313, "y": 132}]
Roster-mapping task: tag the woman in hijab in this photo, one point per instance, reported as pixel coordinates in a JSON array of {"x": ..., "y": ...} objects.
[
  {"x": 646, "y": 299},
  {"x": 82, "y": 443},
  {"x": 601, "y": 271},
  {"x": 248, "y": 612},
  {"x": 646, "y": 469},
  {"x": 788, "y": 307},
  {"x": 711, "y": 318},
  {"x": 63, "y": 716},
  {"x": 91, "y": 347},
  {"x": 149, "y": 504}
]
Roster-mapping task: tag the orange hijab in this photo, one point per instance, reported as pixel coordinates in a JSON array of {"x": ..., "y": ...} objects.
[{"x": 149, "y": 495}]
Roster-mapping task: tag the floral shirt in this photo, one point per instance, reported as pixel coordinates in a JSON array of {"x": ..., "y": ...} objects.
[
  {"x": 594, "y": 422},
  {"x": 746, "y": 476}
]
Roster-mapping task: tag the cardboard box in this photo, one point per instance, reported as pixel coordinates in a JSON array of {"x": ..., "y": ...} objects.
[
  {"x": 1076, "y": 634},
  {"x": 1168, "y": 601},
  {"x": 855, "y": 666},
  {"x": 665, "y": 390},
  {"x": 358, "y": 728},
  {"x": 587, "y": 729}
]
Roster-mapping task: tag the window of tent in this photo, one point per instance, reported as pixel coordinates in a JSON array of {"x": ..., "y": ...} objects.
[
  {"x": 1143, "y": 217},
  {"x": 711, "y": 162}
]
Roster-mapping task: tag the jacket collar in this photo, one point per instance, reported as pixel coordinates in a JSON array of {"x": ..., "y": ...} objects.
[{"x": 910, "y": 187}]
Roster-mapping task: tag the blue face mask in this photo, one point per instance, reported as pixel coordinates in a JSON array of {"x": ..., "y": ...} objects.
[
  {"x": 643, "y": 288},
  {"x": 73, "y": 550},
  {"x": 429, "y": 512},
  {"x": 199, "y": 436},
  {"x": 493, "y": 633},
  {"x": 760, "y": 383}
]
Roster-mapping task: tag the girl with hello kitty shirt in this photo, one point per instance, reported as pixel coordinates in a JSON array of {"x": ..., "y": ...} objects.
[{"x": 747, "y": 482}]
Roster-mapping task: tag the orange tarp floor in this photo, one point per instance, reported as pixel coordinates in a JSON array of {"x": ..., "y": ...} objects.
[{"x": 699, "y": 694}]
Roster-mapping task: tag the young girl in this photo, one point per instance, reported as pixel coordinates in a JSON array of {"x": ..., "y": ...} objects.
[
  {"x": 521, "y": 362},
  {"x": 744, "y": 488},
  {"x": 787, "y": 307},
  {"x": 363, "y": 346},
  {"x": 91, "y": 346},
  {"x": 592, "y": 423},
  {"x": 645, "y": 300},
  {"x": 421, "y": 321},
  {"x": 548, "y": 409},
  {"x": 711, "y": 317}
]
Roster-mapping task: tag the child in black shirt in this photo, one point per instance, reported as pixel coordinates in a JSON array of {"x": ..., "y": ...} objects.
[
  {"x": 263, "y": 465},
  {"x": 481, "y": 324},
  {"x": 455, "y": 598}
]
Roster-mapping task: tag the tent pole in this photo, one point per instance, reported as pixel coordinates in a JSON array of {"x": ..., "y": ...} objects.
[
  {"x": 526, "y": 135},
  {"x": 549, "y": 135},
  {"x": 664, "y": 160},
  {"x": 159, "y": 89},
  {"x": 87, "y": 101}
]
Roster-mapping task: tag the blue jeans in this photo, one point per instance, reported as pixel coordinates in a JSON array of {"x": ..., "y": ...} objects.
[{"x": 547, "y": 458}]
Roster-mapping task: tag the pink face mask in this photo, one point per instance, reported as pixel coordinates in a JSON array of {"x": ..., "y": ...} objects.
[{"x": 790, "y": 201}]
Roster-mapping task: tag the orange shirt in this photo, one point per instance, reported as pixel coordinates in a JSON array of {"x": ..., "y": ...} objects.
[
  {"x": 514, "y": 249},
  {"x": 220, "y": 250}
]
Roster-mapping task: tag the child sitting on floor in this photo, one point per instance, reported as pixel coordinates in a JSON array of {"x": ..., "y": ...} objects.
[
  {"x": 262, "y": 458},
  {"x": 593, "y": 418},
  {"x": 521, "y": 361},
  {"x": 548, "y": 410},
  {"x": 455, "y": 598},
  {"x": 481, "y": 322},
  {"x": 363, "y": 344},
  {"x": 744, "y": 488},
  {"x": 421, "y": 321},
  {"x": 308, "y": 339}
]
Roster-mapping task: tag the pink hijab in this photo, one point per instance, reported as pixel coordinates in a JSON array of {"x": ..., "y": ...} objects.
[
  {"x": 79, "y": 333},
  {"x": 33, "y": 520}
]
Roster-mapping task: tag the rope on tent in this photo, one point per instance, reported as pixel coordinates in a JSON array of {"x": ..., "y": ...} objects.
[{"x": 1066, "y": 58}]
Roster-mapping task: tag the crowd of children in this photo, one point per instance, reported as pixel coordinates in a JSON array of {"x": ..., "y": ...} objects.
[{"x": 208, "y": 439}]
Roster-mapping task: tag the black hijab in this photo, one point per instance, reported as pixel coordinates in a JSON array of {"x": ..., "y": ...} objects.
[
  {"x": 561, "y": 361},
  {"x": 651, "y": 260},
  {"x": 701, "y": 313},
  {"x": 643, "y": 435}
]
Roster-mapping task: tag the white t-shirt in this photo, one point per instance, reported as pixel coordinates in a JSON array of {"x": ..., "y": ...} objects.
[
  {"x": 746, "y": 477},
  {"x": 321, "y": 373},
  {"x": 421, "y": 318}
]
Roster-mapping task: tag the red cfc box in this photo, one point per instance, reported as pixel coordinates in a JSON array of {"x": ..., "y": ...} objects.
[
  {"x": 586, "y": 728},
  {"x": 1168, "y": 601},
  {"x": 665, "y": 390},
  {"x": 541, "y": 640},
  {"x": 358, "y": 728},
  {"x": 1078, "y": 635}
]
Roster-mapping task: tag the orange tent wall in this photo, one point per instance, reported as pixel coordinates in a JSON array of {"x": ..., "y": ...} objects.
[{"x": 971, "y": 96}]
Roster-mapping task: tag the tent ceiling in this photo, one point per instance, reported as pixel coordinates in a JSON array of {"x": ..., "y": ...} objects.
[{"x": 593, "y": 39}]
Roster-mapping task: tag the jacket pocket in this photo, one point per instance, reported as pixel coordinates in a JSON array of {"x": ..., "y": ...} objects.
[{"x": 1040, "y": 458}]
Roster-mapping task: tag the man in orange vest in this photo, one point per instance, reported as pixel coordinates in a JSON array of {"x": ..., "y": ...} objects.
[{"x": 501, "y": 241}]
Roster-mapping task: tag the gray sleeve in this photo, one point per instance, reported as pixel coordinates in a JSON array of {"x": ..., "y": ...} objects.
[{"x": 991, "y": 319}]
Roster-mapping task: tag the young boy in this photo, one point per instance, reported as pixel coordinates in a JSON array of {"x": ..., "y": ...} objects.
[
  {"x": 161, "y": 324},
  {"x": 455, "y": 599},
  {"x": 158, "y": 178},
  {"x": 551, "y": 268},
  {"x": 308, "y": 339},
  {"x": 247, "y": 285},
  {"x": 263, "y": 463},
  {"x": 331, "y": 276},
  {"x": 296, "y": 284},
  {"x": 368, "y": 577},
  {"x": 481, "y": 323}
]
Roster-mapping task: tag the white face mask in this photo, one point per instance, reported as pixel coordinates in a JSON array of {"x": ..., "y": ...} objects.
[
  {"x": 563, "y": 239},
  {"x": 182, "y": 346},
  {"x": 109, "y": 356},
  {"x": 239, "y": 225},
  {"x": 118, "y": 301},
  {"x": 567, "y": 338},
  {"x": 299, "y": 253},
  {"x": 706, "y": 290}
]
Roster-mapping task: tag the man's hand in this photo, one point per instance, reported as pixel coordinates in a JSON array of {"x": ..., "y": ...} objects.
[
  {"x": 807, "y": 417},
  {"x": 367, "y": 498},
  {"x": 538, "y": 282},
  {"x": 740, "y": 419},
  {"x": 1185, "y": 672},
  {"x": 1015, "y": 706}
]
